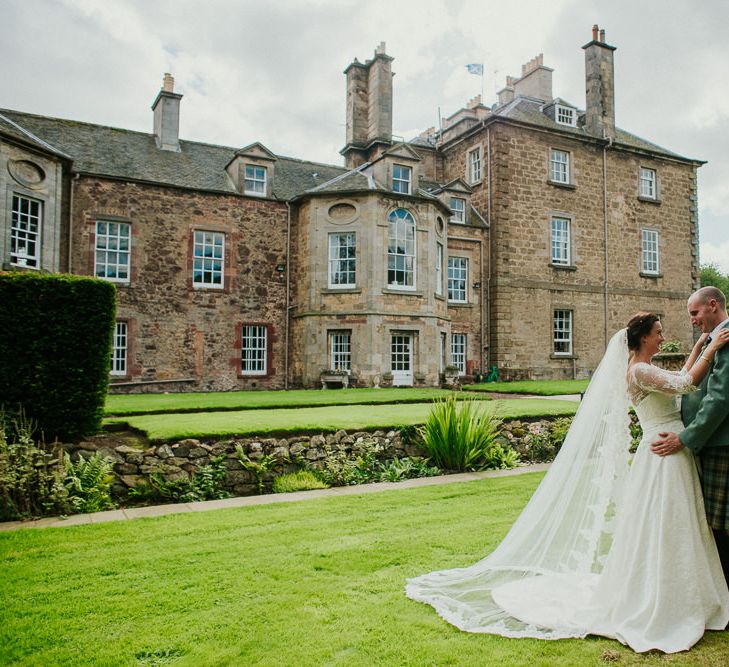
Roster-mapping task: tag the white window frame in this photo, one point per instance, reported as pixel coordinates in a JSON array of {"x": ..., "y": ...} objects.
[
  {"x": 650, "y": 255},
  {"x": 559, "y": 166},
  {"x": 439, "y": 252},
  {"x": 474, "y": 165},
  {"x": 120, "y": 349},
  {"x": 562, "y": 328},
  {"x": 340, "y": 351},
  {"x": 110, "y": 256},
  {"x": 254, "y": 349},
  {"x": 458, "y": 279},
  {"x": 459, "y": 348},
  {"x": 342, "y": 266},
  {"x": 396, "y": 244},
  {"x": 560, "y": 241},
  {"x": 26, "y": 228},
  {"x": 648, "y": 183},
  {"x": 402, "y": 177},
  {"x": 565, "y": 115},
  {"x": 255, "y": 180},
  {"x": 210, "y": 264},
  {"x": 443, "y": 347},
  {"x": 458, "y": 210}
]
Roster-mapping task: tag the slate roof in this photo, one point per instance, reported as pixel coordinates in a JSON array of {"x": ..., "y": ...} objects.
[
  {"x": 10, "y": 128},
  {"x": 528, "y": 110},
  {"x": 114, "y": 152}
]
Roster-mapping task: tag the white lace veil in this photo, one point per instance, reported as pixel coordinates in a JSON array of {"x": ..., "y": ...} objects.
[{"x": 567, "y": 525}]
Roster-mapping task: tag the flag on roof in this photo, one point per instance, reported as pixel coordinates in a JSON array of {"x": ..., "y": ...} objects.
[{"x": 475, "y": 68}]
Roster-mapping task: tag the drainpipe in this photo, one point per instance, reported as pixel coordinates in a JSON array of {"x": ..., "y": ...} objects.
[
  {"x": 74, "y": 180},
  {"x": 488, "y": 275},
  {"x": 605, "y": 148},
  {"x": 288, "y": 285}
]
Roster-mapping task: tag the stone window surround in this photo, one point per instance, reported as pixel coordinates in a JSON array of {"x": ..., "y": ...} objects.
[
  {"x": 569, "y": 183},
  {"x": 110, "y": 219},
  {"x": 656, "y": 198},
  {"x": 473, "y": 178},
  {"x": 228, "y": 260},
  {"x": 564, "y": 309},
  {"x": 646, "y": 273},
  {"x": 569, "y": 265},
  {"x": 26, "y": 193},
  {"x": 270, "y": 339},
  {"x": 91, "y": 220}
]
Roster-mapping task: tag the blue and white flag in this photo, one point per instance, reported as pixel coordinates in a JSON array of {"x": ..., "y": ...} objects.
[{"x": 475, "y": 68}]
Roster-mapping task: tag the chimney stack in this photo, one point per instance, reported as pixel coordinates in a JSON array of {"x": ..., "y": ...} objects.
[
  {"x": 166, "y": 110},
  {"x": 369, "y": 105},
  {"x": 535, "y": 81},
  {"x": 600, "y": 86}
]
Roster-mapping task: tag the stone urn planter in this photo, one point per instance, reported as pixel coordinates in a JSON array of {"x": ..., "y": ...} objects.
[{"x": 331, "y": 377}]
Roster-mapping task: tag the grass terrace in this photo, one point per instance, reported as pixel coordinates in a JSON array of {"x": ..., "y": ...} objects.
[
  {"x": 311, "y": 583},
  {"x": 170, "y": 427},
  {"x": 139, "y": 404},
  {"x": 535, "y": 387}
]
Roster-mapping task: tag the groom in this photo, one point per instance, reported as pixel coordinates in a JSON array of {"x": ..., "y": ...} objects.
[{"x": 705, "y": 415}]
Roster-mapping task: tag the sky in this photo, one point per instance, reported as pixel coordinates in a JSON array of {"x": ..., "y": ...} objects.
[{"x": 272, "y": 71}]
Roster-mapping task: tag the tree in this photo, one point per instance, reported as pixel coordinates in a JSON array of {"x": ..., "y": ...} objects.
[{"x": 711, "y": 276}]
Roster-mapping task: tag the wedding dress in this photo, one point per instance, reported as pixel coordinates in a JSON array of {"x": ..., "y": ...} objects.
[{"x": 605, "y": 546}]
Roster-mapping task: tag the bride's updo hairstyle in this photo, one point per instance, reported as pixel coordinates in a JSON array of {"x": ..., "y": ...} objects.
[{"x": 640, "y": 325}]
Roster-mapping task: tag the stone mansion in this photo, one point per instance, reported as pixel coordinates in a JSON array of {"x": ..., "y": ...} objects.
[{"x": 519, "y": 235}]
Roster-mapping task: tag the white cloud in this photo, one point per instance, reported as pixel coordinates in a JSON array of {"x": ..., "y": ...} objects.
[{"x": 716, "y": 253}]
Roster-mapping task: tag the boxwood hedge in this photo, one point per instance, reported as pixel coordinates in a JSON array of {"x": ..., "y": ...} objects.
[{"x": 55, "y": 339}]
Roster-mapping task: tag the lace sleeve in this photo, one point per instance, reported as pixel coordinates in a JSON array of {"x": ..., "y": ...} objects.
[{"x": 652, "y": 378}]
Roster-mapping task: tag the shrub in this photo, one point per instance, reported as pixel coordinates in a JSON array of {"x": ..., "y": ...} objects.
[
  {"x": 407, "y": 468},
  {"x": 671, "y": 346},
  {"x": 260, "y": 467},
  {"x": 206, "y": 483},
  {"x": 31, "y": 474},
  {"x": 88, "y": 483},
  {"x": 460, "y": 435},
  {"x": 340, "y": 469},
  {"x": 55, "y": 338},
  {"x": 301, "y": 480}
]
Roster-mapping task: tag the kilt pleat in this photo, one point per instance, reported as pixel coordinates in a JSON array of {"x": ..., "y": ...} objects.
[{"x": 715, "y": 482}]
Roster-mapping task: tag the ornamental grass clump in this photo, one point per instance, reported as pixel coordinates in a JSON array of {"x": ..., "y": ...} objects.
[
  {"x": 301, "y": 480},
  {"x": 461, "y": 435}
]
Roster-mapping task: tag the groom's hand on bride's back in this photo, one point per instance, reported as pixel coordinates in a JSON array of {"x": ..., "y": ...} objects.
[{"x": 666, "y": 444}]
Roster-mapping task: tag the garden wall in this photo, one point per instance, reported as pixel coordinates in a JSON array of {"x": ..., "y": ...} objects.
[{"x": 136, "y": 460}]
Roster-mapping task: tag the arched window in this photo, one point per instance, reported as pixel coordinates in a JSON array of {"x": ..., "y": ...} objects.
[{"x": 401, "y": 250}]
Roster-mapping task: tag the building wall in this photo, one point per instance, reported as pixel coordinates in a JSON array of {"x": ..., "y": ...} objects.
[{"x": 177, "y": 331}]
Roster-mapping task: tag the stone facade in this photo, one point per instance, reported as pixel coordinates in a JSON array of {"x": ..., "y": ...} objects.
[{"x": 519, "y": 235}]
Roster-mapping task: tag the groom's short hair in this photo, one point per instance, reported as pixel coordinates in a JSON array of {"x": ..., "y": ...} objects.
[{"x": 707, "y": 293}]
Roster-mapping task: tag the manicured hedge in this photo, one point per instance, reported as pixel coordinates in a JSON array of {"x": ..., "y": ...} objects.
[{"x": 55, "y": 338}]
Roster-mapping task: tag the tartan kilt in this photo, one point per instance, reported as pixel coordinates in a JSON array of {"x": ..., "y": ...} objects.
[{"x": 715, "y": 483}]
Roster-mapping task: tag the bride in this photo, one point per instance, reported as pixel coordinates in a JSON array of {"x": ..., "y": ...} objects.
[{"x": 606, "y": 545}]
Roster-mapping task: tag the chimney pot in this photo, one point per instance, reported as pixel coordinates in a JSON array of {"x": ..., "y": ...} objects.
[
  {"x": 168, "y": 83},
  {"x": 602, "y": 36},
  {"x": 380, "y": 49},
  {"x": 594, "y": 32}
]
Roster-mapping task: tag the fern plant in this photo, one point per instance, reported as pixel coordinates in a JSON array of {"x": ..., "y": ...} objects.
[
  {"x": 259, "y": 467},
  {"x": 88, "y": 482}
]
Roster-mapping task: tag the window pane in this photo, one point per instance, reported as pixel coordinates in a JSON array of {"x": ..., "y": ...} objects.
[
  {"x": 119, "y": 349},
  {"x": 254, "y": 347},
  {"x": 560, "y": 241},
  {"x": 458, "y": 352},
  {"x": 457, "y": 279},
  {"x": 25, "y": 229},
  {"x": 342, "y": 260},
  {"x": 401, "y": 249},
  {"x": 340, "y": 349},
  {"x": 208, "y": 256},
  {"x": 562, "y": 331}
]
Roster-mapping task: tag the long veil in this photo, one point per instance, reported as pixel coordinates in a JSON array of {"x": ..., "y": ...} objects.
[{"x": 566, "y": 528}]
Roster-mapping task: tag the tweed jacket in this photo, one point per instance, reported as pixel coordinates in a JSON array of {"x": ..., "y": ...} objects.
[{"x": 705, "y": 412}]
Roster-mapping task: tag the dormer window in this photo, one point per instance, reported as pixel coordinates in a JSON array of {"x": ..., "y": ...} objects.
[
  {"x": 401, "y": 178},
  {"x": 458, "y": 210},
  {"x": 565, "y": 115},
  {"x": 255, "y": 180}
]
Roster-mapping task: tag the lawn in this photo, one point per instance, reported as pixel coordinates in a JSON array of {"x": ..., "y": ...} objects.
[
  {"x": 168, "y": 427},
  {"x": 138, "y": 404},
  {"x": 536, "y": 387},
  {"x": 318, "y": 582}
]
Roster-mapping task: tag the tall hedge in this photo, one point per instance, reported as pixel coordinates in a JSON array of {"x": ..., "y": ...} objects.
[{"x": 55, "y": 341}]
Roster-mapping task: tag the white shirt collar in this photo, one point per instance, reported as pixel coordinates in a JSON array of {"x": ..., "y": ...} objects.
[{"x": 719, "y": 326}]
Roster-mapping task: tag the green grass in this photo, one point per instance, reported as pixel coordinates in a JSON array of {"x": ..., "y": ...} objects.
[
  {"x": 138, "y": 404},
  {"x": 313, "y": 583},
  {"x": 537, "y": 387},
  {"x": 327, "y": 419}
]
